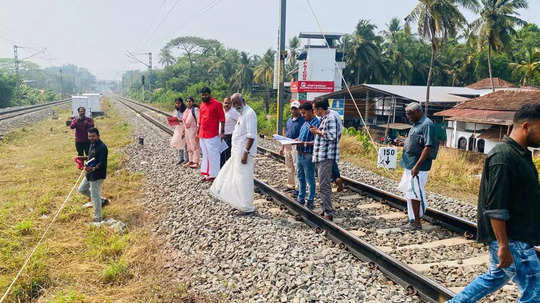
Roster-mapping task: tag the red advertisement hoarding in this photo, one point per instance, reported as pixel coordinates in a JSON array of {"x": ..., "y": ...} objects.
[{"x": 312, "y": 87}]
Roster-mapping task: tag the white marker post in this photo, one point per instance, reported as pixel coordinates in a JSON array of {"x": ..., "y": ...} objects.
[{"x": 387, "y": 157}]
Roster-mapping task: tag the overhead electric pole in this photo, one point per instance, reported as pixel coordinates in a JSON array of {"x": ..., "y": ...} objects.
[
  {"x": 16, "y": 62},
  {"x": 61, "y": 83},
  {"x": 148, "y": 65},
  {"x": 282, "y": 55}
]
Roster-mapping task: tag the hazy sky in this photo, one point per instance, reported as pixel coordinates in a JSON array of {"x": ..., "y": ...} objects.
[{"x": 97, "y": 33}]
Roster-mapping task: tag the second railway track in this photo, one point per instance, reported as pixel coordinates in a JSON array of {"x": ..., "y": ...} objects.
[
  {"x": 16, "y": 112},
  {"x": 433, "y": 263}
]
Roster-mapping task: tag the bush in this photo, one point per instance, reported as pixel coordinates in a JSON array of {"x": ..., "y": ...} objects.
[{"x": 116, "y": 272}]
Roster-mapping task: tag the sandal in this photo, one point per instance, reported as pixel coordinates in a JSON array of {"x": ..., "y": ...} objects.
[
  {"x": 194, "y": 165},
  {"x": 186, "y": 164}
]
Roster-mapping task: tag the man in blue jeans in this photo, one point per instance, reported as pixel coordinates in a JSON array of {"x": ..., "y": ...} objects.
[
  {"x": 509, "y": 213},
  {"x": 305, "y": 168}
]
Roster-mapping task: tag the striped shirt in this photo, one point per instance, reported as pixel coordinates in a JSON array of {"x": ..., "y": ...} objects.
[{"x": 326, "y": 147}]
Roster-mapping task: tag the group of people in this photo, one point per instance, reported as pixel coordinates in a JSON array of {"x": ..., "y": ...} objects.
[
  {"x": 316, "y": 131},
  {"x": 226, "y": 136}
]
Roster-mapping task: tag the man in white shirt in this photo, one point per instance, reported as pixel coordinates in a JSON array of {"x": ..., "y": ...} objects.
[
  {"x": 231, "y": 118},
  {"x": 234, "y": 183}
]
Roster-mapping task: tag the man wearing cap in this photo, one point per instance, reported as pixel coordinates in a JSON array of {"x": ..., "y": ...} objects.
[{"x": 292, "y": 131}]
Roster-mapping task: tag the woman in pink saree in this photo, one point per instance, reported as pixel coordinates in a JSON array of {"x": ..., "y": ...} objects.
[
  {"x": 177, "y": 140},
  {"x": 190, "y": 119}
]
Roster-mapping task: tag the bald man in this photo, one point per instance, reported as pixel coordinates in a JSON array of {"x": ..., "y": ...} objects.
[
  {"x": 419, "y": 151},
  {"x": 234, "y": 183}
]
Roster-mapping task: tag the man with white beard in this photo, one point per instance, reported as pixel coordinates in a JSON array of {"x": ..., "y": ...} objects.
[{"x": 234, "y": 183}]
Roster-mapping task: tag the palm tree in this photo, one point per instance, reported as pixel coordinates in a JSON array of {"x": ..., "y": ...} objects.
[
  {"x": 496, "y": 25},
  {"x": 243, "y": 76},
  {"x": 363, "y": 51},
  {"x": 437, "y": 21},
  {"x": 528, "y": 67},
  {"x": 291, "y": 67},
  {"x": 264, "y": 74}
]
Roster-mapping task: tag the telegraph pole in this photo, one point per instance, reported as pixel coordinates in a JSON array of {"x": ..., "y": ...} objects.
[
  {"x": 16, "y": 58},
  {"x": 282, "y": 55},
  {"x": 61, "y": 83}
]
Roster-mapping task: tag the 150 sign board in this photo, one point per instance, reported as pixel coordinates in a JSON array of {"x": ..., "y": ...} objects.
[{"x": 387, "y": 157}]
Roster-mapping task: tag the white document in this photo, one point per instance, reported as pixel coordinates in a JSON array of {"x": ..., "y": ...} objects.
[
  {"x": 284, "y": 140},
  {"x": 223, "y": 146}
]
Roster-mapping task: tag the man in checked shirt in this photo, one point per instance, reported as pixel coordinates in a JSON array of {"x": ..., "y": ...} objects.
[{"x": 325, "y": 152}]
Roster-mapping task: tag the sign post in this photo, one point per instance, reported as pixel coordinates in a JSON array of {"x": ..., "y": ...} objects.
[{"x": 387, "y": 157}]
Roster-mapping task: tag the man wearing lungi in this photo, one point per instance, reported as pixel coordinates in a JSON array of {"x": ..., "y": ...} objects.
[
  {"x": 210, "y": 137},
  {"x": 419, "y": 150},
  {"x": 234, "y": 183}
]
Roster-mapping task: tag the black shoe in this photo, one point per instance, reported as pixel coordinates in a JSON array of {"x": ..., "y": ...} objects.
[
  {"x": 180, "y": 162},
  {"x": 104, "y": 202}
]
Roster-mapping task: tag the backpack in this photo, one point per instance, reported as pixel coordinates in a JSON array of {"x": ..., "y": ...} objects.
[{"x": 194, "y": 116}]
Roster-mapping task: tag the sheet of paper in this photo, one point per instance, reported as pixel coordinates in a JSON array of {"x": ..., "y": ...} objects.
[
  {"x": 223, "y": 146},
  {"x": 284, "y": 140}
]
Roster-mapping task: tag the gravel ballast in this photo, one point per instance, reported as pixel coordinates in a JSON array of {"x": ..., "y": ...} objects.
[{"x": 267, "y": 257}]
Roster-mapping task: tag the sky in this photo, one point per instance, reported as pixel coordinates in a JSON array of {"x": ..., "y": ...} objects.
[{"x": 97, "y": 34}]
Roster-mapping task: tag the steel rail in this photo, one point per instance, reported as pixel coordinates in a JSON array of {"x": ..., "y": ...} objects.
[
  {"x": 29, "y": 109},
  {"x": 435, "y": 216},
  {"x": 394, "y": 269}
]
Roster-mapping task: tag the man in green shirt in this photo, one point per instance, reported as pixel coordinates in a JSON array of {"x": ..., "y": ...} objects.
[
  {"x": 509, "y": 213},
  {"x": 419, "y": 151}
]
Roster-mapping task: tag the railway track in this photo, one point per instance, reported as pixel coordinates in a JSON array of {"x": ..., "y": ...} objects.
[
  {"x": 11, "y": 113},
  {"x": 432, "y": 263}
]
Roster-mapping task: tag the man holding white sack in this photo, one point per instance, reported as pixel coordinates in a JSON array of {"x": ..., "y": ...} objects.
[
  {"x": 234, "y": 183},
  {"x": 420, "y": 149}
]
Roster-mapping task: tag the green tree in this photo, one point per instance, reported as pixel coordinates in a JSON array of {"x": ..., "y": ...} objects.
[
  {"x": 496, "y": 24},
  {"x": 529, "y": 67},
  {"x": 264, "y": 75},
  {"x": 363, "y": 53},
  {"x": 243, "y": 76},
  {"x": 438, "y": 20}
]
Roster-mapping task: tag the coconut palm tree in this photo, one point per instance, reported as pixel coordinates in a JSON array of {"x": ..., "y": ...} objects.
[
  {"x": 529, "y": 67},
  {"x": 243, "y": 76},
  {"x": 437, "y": 21},
  {"x": 496, "y": 24},
  {"x": 264, "y": 75},
  {"x": 363, "y": 51}
]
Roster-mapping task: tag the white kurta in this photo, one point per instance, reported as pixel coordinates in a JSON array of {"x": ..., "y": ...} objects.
[
  {"x": 414, "y": 189},
  {"x": 234, "y": 183}
]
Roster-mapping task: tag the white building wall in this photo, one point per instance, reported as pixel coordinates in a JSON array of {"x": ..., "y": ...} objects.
[
  {"x": 321, "y": 64},
  {"x": 464, "y": 132}
]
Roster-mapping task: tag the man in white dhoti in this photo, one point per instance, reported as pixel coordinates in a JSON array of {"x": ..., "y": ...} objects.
[
  {"x": 210, "y": 138},
  {"x": 234, "y": 183},
  {"x": 420, "y": 149}
]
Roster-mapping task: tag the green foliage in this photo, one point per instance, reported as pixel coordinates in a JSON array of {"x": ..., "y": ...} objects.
[
  {"x": 38, "y": 85},
  {"x": 70, "y": 297},
  {"x": 24, "y": 227},
  {"x": 116, "y": 272},
  {"x": 104, "y": 244}
]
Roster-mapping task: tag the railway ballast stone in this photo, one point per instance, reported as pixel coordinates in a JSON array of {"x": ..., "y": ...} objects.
[{"x": 266, "y": 257}]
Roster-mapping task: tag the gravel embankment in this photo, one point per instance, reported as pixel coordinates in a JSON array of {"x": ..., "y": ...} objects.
[{"x": 268, "y": 257}]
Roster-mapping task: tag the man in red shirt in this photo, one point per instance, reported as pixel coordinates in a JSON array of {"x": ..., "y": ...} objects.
[
  {"x": 82, "y": 124},
  {"x": 210, "y": 135}
]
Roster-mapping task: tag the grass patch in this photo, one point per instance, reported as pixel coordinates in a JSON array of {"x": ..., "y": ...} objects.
[
  {"x": 24, "y": 227},
  {"x": 77, "y": 262},
  {"x": 117, "y": 272},
  {"x": 454, "y": 173}
]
